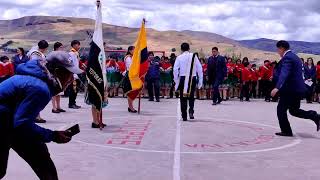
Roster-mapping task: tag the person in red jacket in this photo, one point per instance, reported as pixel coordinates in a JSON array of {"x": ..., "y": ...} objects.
[
  {"x": 266, "y": 80},
  {"x": 245, "y": 80},
  {"x": 318, "y": 81},
  {"x": 6, "y": 68},
  {"x": 237, "y": 72},
  {"x": 254, "y": 81}
]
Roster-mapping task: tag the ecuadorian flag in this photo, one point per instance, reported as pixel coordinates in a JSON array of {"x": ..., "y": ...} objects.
[{"x": 140, "y": 64}]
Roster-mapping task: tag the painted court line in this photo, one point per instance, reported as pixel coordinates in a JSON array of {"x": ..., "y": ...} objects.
[{"x": 177, "y": 155}]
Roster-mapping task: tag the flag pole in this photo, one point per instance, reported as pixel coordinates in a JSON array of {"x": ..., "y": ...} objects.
[{"x": 139, "y": 105}]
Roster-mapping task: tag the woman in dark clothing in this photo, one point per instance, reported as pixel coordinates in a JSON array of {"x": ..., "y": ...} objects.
[
  {"x": 20, "y": 58},
  {"x": 310, "y": 73}
]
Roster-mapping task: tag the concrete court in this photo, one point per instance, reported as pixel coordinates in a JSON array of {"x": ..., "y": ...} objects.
[{"x": 232, "y": 141}]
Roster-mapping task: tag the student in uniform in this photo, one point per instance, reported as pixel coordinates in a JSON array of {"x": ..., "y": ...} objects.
[
  {"x": 318, "y": 82},
  {"x": 112, "y": 70},
  {"x": 186, "y": 69},
  {"x": 291, "y": 88},
  {"x": 203, "y": 90},
  {"x": 6, "y": 68},
  {"x": 166, "y": 80},
  {"x": 73, "y": 88},
  {"x": 310, "y": 73},
  {"x": 266, "y": 80},
  {"x": 20, "y": 58},
  {"x": 254, "y": 81},
  {"x": 245, "y": 80},
  {"x": 153, "y": 78},
  {"x": 238, "y": 73},
  {"x": 56, "y": 106}
]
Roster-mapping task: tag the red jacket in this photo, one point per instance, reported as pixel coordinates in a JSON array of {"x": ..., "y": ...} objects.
[
  {"x": 255, "y": 75},
  {"x": 318, "y": 72},
  {"x": 238, "y": 69},
  {"x": 265, "y": 72},
  {"x": 230, "y": 68},
  {"x": 122, "y": 66},
  {"x": 246, "y": 75},
  {"x": 6, "y": 69}
]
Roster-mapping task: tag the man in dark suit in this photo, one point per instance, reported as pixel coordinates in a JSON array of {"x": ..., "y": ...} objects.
[
  {"x": 217, "y": 72},
  {"x": 291, "y": 87}
]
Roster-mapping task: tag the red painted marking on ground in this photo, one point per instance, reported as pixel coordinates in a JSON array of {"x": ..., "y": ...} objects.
[
  {"x": 131, "y": 133},
  {"x": 259, "y": 140}
]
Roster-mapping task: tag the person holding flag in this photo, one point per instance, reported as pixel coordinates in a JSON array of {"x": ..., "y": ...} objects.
[
  {"x": 138, "y": 68},
  {"x": 96, "y": 73}
]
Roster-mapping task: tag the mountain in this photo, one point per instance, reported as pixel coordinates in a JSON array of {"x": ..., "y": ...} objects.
[
  {"x": 27, "y": 31},
  {"x": 269, "y": 45}
]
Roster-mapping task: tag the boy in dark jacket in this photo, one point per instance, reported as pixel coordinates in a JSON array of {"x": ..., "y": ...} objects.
[
  {"x": 153, "y": 78},
  {"x": 22, "y": 97}
]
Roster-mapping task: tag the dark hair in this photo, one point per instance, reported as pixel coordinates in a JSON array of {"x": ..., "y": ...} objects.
[
  {"x": 150, "y": 53},
  {"x": 130, "y": 48},
  {"x": 310, "y": 58},
  {"x": 266, "y": 61},
  {"x": 318, "y": 63},
  {"x": 185, "y": 47},
  {"x": 22, "y": 51},
  {"x": 57, "y": 45},
  {"x": 245, "y": 59},
  {"x": 75, "y": 42},
  {"x": 215, "y": 48},
  {"x": 3, "y": 58},
  {"x": 166, "y": 58},
  {"x": 114, "y": 56},
  {"x": 43, "y": 44},
  {"x": 246, "y": 64},
  {"x": 254, "y": 65},
  {"x": 283, "y": 44}
]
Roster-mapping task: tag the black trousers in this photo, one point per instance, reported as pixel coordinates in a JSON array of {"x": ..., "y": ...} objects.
[
  {"x": 245, "y": 91},
  {"x": 310, "y": 91},
  {"x": 253, "y": 92},
  {"x": 30, "y": 148},
  {"x": 184, "y": 100},
  {"x": 153, "y": 85},
  {"x": 72, "y": 94},
  {"x": 266, "y": 89},
  {"x": 292, "y": 102},
  {"x": 216, "y": 93}
]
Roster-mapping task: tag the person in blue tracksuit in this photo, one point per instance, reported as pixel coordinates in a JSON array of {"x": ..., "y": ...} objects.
[
  {"x": 291, "y": 87},
  {"x": 22, "y": 97}
]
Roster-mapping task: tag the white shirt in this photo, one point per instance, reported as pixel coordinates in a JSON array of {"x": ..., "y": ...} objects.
[
  {"x": 181, "y": 67},
  {"x": 128, "y": 62}
]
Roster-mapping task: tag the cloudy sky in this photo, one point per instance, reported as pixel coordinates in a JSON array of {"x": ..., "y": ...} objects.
[{"x": 238, "y": 19}]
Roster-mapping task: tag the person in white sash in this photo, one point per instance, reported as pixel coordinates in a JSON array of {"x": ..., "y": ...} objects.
[{"x": 186, "y": 70}]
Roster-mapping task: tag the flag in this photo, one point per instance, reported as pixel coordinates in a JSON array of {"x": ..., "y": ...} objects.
[
  {"x": 96, "y": 69},
  {"x": 140, "y": 65}
]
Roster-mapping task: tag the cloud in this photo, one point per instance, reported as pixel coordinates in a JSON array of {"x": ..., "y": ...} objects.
[{"x": 238, "y": 19}]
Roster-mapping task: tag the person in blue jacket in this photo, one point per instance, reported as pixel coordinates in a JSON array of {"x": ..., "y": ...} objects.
[
  {"x": 217, "y": 73},
  {"x": 291, "y": 87},
  {"x": 310, "y": 73},
  {"x": 153, "y": 77},
  {"x": 22, "y": 97},
  {"x": 20, "y": 58}
]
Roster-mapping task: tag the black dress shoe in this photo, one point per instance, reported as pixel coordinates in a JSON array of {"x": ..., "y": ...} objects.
[
  {"x": 40, "y": 121},
  {"x": 191, "y": 116},
  {"x": 74, "y": 107},
  {"x": 97, "y": 126},
  {"x": 157, "y": 100},
  {"x": 132, "y": 111},
  {"x": 185, "y": 119},
  {"x": 214, "y": 104},
  {"x": 55, "y": 111},
  {"x": 61, "y": 110},
  {"x": 284, "y": 134},
  {"x": 220, "y": 101},
  {"x": 78, "y": 106},
  {"x": 151, "y": 99}
]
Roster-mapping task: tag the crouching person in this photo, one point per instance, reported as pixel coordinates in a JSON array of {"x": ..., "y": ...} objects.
[{"x": 22, "y": 97}]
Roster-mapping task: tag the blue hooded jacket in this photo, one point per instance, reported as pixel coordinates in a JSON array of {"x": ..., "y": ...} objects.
[{"x": 23, "y": 96}]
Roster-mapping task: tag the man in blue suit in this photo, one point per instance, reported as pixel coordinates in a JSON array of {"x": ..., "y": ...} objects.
[
  {"x": 291, "y": 87},
  {"x": 217, "y": 72}
]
